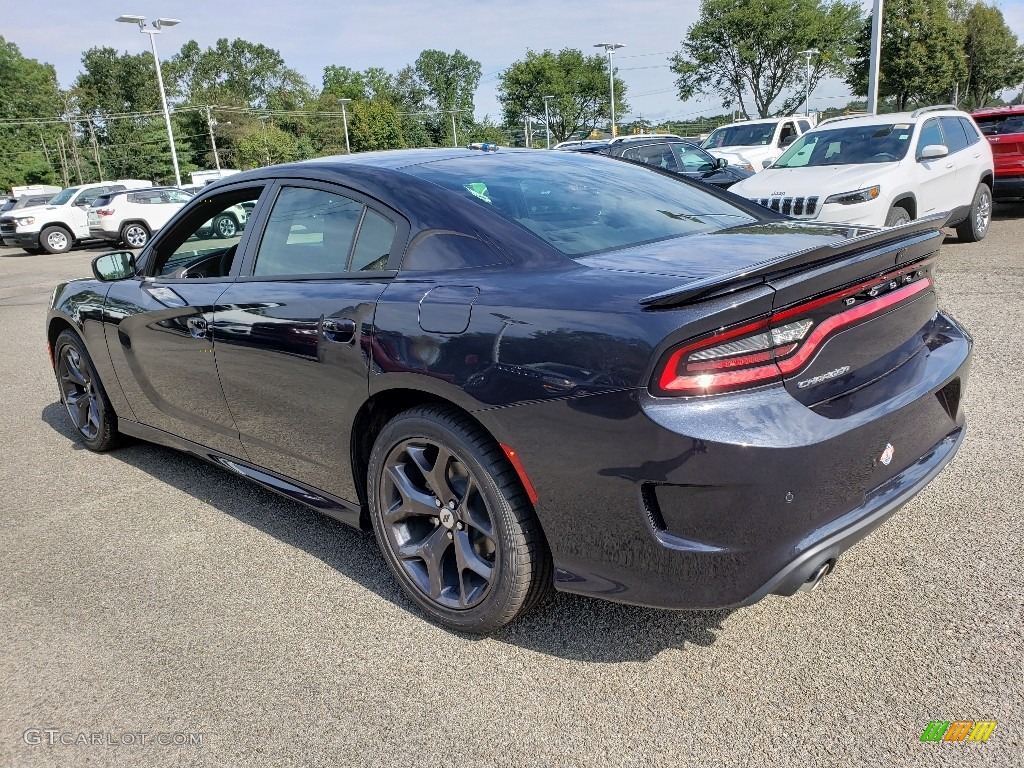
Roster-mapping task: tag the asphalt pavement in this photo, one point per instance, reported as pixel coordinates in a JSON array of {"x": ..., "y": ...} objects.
[{"x": 155, "y": 610}]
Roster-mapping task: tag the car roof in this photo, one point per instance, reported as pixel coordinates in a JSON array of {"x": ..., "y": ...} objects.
[
  {"x": 1007, "y": 109},
  {"x": 891, "y": 117}
]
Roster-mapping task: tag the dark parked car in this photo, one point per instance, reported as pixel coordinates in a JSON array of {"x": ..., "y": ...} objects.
[
  {"x": 674, "y": 155},
  {"x": 530, "y": 370},
  {"x": 1004, "y": 129},
  {"x": 25, "y": 201}
]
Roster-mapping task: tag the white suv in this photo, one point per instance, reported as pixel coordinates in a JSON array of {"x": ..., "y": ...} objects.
[
  {"x": 130, "y": 217},
  {"x": 750, "y": 143},
  {"x": 63, "y": 222},
  {"x": 884, "y": 170}
]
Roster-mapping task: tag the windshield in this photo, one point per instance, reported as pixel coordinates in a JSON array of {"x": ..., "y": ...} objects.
[
  {"x": 740, "y": 136},
  {"x": 580, "y": 203},
  {"x": 854, "y": 145},
  {"x": 63, "y": 197}
]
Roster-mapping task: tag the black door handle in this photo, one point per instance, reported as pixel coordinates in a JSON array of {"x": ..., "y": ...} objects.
[
  {"x": 198, "y": 327},
  {"x": 339, "y": 329}
]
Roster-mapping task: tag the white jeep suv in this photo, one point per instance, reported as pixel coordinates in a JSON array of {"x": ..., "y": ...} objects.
[
  {"x": 131, "y": 216},
  {"x": 884, "y": 170},
  {"x": 748, "y": 144}
]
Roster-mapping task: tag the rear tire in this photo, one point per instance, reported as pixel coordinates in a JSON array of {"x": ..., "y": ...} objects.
[
  {"x": 225, "y": 226},
  {"x": 134, "y": 235},
  {"x": 55, "y": 239},
  {"x": 453, "y": 522},
  {"x": 83, "y": 395},
  {"x": 975, "y": 227},
  {"x": 897, "y": 216}
]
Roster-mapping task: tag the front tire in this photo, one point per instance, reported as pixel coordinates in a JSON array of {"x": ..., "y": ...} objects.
[
  {"x": 83, "y": 395},
  {"x": 55, "y": 240},
  {"x": 453, "y": 522},
  {"x": 897, "y": 216},
  {"x": 975, "y": 227}
]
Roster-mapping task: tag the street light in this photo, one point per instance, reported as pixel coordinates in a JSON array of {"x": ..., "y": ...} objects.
[
  {"x": 874, "y": 57},
  {"x": 547, "y": 119},
  {"x": 609, "y": 49},
  {"x": 807, "y": 97},
  {"x": 157, "y": 27},
  {"x": 344, "y": 120}
]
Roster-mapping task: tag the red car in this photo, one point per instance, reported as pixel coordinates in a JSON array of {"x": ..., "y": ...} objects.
[{"x": 1004, "y": 128}]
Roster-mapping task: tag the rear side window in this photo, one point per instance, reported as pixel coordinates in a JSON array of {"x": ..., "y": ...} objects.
[
  {"x": 804, "y": 126},
  {"x": 970, "y": 129},
  {"x": 102, "y": 200},
  {"x": 445, "y": 251},
  {"x": 373, "y": 244},
  {"x": 956, "y": 139},
  {"x": 999, "y": 125}
]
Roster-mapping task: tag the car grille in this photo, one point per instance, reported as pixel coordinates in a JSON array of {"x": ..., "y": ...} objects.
[
  {"x": 806, "y": 207},
  {"x": 7, "y": 227}
]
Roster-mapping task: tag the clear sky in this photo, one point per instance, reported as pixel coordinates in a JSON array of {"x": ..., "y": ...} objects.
[{"x": 391, "y": 33}]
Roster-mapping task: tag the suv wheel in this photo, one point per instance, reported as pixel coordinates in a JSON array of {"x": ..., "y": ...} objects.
[
  {"x": 974, "y": 227},
  {"x": 897, "y": 216},
  {"x": 225, "y": 226},
  {"x": 453, "y": 522},
  {"x": 55, "y": 240},
  {"x": 135, "y": 235}
]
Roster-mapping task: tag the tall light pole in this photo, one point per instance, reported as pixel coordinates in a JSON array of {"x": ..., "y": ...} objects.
[
  {"x": 547, "y": 118},
  {"x": 157, "y": 28},
  {"x": 807, "y": 93},
  {"x": 610, "y": 48},
  {"x": 210, "y": 122},
  {"x": 875, "y": 57},
  {"x": 344, "y": 120}
]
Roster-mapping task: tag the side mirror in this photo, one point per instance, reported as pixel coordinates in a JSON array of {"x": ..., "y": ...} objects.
[
  {"x": 933, "y": 151},
  {"x": 118, "y": 265},
  {"x": 788, "y": 140},
  {"x": 767, "y": 163},
  {"x": 720, "y": 162}
]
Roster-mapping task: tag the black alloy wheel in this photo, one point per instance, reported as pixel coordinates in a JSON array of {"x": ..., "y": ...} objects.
[
  {"x": 453, "y": 521},
  {"x": 83, "y": 395}
]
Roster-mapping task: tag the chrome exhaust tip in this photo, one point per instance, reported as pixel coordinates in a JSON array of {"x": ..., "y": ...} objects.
[{"x": 812, "y": 583}]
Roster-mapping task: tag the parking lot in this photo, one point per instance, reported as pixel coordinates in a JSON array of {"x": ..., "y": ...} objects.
[{"x": 147, "y": 593}]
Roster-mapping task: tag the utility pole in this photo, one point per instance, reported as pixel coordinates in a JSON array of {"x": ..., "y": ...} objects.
[
  {"x": 455, "y": 136},
  {"x": 344, "y": 120},
  {"x": 547, "y": 118},
  {"x": 74, "y": 150},
  {"x": 875, "y": 57},
  {"x": 95, "y": 150},
  {"x": 807, "y": 92},
  {"x": 45, "y": 150},
  {"x": 213, "y": 142},
  {"x": 63, "y": 161}
]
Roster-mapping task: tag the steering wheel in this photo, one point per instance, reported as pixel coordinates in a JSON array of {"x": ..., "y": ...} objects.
[{"x": 885, "y": 155}]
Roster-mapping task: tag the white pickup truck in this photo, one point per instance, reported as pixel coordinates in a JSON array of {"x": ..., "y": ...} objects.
[
  {"x": 749, "y": 143},
  {"x": 63, "y": 222}
]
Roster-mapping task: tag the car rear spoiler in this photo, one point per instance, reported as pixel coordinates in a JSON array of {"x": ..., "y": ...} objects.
[{"x": 756, "y": 274}]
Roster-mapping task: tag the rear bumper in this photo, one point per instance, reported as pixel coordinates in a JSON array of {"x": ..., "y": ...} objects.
[{"x": 1008, "y": 187}]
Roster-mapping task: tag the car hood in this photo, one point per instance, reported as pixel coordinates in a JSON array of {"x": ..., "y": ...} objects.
[
  {"x": 29, "y": 210},
  {"x": 722, "y": 251},
  {"x": 818, "y": 180}
]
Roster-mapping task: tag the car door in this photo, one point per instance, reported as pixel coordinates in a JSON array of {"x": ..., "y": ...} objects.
[
  {"x": 79, "y": 209},
  {"x": 937, "y": 183},
  {"x": 159, "y": 327},
  {"x": 655, "y": 155},
  {"x": 295, "y": 329}
]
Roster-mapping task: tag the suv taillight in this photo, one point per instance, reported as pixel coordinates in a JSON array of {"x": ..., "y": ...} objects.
[
  {"x": 769, "y": 349},
  {"x": 105, "y": 212}
]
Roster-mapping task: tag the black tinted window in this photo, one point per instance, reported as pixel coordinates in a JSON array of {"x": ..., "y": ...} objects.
[
  {"x": 373, "y": 245},
  {"x": 309, "y": 232},
  {"x": 102, "y": 200},
  {"x": 971, "y": 129},
  {"x": 657, "y": 155},
  {"x": 444, "y": 251},
  {"x": 997, "y": 125},
  {"x": 956, "y": 139}
]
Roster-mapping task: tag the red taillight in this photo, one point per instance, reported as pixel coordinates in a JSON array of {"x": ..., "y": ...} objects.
[
  {"x": 767, "y": 350},
  {"x": 105, "y": 212}
]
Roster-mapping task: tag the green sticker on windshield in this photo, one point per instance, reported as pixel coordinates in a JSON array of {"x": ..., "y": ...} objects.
[{"x": 479, "y": 189}]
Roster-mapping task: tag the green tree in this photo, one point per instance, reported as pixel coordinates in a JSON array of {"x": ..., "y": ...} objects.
[
  {"x": 265, "y": 144},
  {"x": 374, "y": 125},
  {"x": 753, "y": 47},
  {"x": 922, "y": 54},
  {"x": 579, "y": 84},
  {"x": 449, "y": 81},
  {"x": 994, "y": 58},
  {"x": 28, "y": 90}
]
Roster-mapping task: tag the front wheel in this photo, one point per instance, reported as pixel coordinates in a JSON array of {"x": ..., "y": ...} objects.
[
  {"x": 55, "y": 240},
  {"x": 83, "y": 395},
  {"x": 453, "y": 522},
  {"x": 975, "y": 227},
  {"x": 897, "y": 217}
]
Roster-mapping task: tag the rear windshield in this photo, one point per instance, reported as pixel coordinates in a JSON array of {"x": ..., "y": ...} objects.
[
  {"x": 581, "y": 203},
  {"x": 757, "y": 134},
  {"x": 853, "y": 145},
  {"x": 998, "y": 125}
]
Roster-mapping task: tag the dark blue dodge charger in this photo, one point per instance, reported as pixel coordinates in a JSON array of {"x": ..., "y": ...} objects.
[{"x": 527, "y": 370}]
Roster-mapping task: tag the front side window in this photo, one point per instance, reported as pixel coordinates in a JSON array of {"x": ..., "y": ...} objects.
[
  {"x": 656, "y": 155},
  {"x": 851, "y": 145},
  {"x": 930, "y": 134},
  {"x": 581, "y": 204},
  {"x": 695, "y": 160},
  {"x": 204, "y": 242}
]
